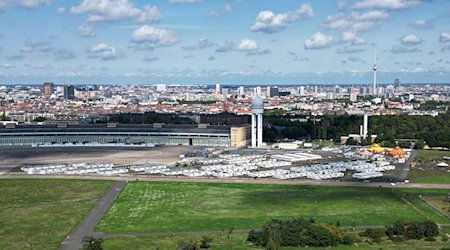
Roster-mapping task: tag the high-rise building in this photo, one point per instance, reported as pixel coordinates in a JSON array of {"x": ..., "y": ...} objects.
[
  {"x": 240, "y": 91},
  {"x": 218, "y": 89},
  {"x": 69, "y": 92},
  {"x": 272, "y": 91},
  {"x": 301, "y": 90},
  {"x": 258, "y": 91},
  {"x": 353, "y": 96},
  {"x": 48, "y": 88},
  {"x": 225, "y": 93}
]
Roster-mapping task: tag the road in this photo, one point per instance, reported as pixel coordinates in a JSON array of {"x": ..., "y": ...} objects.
[
  {"x": 235, "y": 180},
  {"x": 404, "y": 174},
  {"x": 87, "y": 225}
]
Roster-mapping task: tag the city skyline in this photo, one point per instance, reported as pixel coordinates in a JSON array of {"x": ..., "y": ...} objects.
[{"x": 234, "y": 42}]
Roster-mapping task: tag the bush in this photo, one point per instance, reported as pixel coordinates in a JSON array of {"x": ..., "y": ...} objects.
[
  {"x": 349, "y": 239},
  {"x": 191, "y": 245},
  {"x": 205, "y": 242},
  {"x": 256, "y": 237},
  {"x": 373, "y": 233}
]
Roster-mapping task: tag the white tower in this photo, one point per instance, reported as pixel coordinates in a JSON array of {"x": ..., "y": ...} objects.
[
  {"x": 374, "y": 88},
  {"x": 365, "y": 126},
  {"x": 257, "y": 121}
]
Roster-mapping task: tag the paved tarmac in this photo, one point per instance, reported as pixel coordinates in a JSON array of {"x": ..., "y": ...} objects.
[
  {"x": 87, "y": 225},
  {"x": 412, "y": 157}
]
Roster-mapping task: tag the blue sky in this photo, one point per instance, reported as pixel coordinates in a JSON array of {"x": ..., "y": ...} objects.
[{"x": 216, "y": 41}]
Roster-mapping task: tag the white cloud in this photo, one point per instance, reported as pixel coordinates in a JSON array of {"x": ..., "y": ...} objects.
[
  {"x": 318, "y": 41},
  {"x": 445, "y": 37},
  {"x": 41, "y": 46},
  {"x": 269, "y": 22},
  {"x": 204, "y": 43},
  {"x": 116, "y": 10},
  {"x": 63, "y": 54},
  {"x": 400, "y": 49},
  {"x": 386, "y": 4},
  {"x": 422, "y": 24},
  {"x": 355, "y": 22},
  {"x": 347, "y": 50},
  {"x": 227, "y": 9},
  {"x": 224, "y": 47},
  {"x": 374, "y": 15},
  {"x": 184, "y": 1},
  {"x": 60, "y": 10},
  {"x": 102, "y": 51},
  {"x": 248, "y": 45},
  {"x": 85, "y": 31},
  {"x": 348, "y": 36},
  {"x": 150, "y": 59},
  {"x": 29, "y": 4},
  {"x": 411, "y": 39},
  {"x": 153, "y": 37}
]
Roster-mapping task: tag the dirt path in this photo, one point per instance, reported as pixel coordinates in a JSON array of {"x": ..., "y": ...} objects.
[{"x": 87, "y": 225}]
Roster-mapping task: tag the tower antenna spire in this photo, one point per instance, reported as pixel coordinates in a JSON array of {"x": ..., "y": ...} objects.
[{"x": 375, "y": 92}]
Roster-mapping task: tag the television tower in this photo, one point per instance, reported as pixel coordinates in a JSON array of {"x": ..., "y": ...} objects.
[{"x": 375, "y": 92}]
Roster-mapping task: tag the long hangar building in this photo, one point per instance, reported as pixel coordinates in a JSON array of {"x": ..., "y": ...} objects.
[{"x": 157, "y": 134}]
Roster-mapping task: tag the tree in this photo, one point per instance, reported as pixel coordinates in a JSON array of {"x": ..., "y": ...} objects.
[
  {"x": 40, "y": 119},
  {"x": 419, "y": 144},
  {"x": 431, "y": 229},
  {"x": 92, "y": 243}
]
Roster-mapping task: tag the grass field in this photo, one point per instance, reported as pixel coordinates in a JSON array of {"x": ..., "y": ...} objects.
[
  {"x": 170, "y": 207},
  {"x": 431, "y": 155},
  {"x": 238, "y": 242},
  {"x": 39, "y": 214},
  {"x": 429, "y": 174}
]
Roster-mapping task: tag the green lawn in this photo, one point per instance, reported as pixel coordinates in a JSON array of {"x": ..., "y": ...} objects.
[
  {"x": 431, "y": 155},
  {"x": 39, "y": 214},
  {"x": 170, "y": 207},
  {"x": 238, "y": 242}
]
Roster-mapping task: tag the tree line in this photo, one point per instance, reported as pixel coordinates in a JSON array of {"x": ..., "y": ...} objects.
[
  {"x": 306, "y": 233},
  {"x": 434, "y": 131}
]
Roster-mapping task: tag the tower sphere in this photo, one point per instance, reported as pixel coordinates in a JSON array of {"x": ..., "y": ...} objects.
[{"x": 257, "y": 104}]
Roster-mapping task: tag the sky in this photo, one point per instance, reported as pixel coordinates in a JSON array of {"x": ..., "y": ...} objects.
[{"x": 224, "y": 41}]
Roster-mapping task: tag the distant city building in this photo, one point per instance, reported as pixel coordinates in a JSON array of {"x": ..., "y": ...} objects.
[
  {"x": 353, "y": 96},
  {"x": 301, "y": 90},
  {"x": 161, "y": 88},
  {"x": 69, "y": 92},
  {"x": 225, "y": 93},
  {"x": 330, "y": 95},
  {"x": 258, "y": 91},
  {"x": 48, "y": 88},
  {"x": 67, "y": 133},
  {"x": 240, "y": 136},
  {"x": 241, "y": 91},
  {"x": 272, "y": 91},
  {"x": 218, "y": 89}
]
